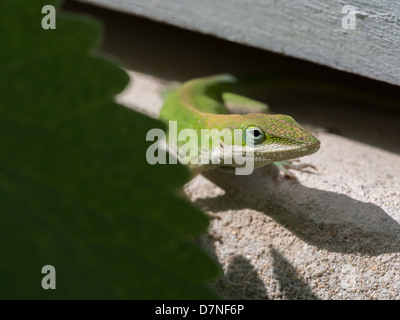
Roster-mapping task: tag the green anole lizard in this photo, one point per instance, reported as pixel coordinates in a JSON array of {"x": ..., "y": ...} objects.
[{"x": 208, "y": 103}]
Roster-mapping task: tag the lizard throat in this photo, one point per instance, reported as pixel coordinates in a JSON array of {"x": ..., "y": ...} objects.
[{"x": 263, "y": 155}]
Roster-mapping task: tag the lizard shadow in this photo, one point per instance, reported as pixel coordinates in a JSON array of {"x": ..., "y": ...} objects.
[
  {"x": 241, "y": 281},
  {"x": 293, "y": 287},
  {"x": 327, "y": 220}
]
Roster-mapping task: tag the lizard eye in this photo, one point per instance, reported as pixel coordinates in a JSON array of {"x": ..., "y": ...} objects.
[{"x": 254, "y": 136}]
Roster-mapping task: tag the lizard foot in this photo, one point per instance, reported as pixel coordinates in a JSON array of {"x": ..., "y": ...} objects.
[{"x": 286, "y": 166}]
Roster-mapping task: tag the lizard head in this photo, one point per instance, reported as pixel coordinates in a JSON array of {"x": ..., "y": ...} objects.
[{"x": 271, "y": 137}]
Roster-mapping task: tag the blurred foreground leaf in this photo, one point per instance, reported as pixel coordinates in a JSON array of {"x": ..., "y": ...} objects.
[{"x": 76, "y": 191}]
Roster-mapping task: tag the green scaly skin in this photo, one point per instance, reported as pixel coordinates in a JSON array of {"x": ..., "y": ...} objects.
[{"x": 203, "y": 104}]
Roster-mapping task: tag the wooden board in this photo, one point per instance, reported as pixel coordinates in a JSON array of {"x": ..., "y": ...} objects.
[{"x": 314, "y": 30}]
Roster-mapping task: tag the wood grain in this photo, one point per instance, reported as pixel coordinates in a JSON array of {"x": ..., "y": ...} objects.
[{"x": 306, "y": 29}]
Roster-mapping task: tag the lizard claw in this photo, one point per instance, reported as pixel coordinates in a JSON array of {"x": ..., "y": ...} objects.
[{"x": 287, "y": 165}]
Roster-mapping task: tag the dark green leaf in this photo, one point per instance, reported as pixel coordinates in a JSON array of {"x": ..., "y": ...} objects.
[{"x": 76, "y": 191}]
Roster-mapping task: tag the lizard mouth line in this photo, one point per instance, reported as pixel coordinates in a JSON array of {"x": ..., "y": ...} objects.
[{"x": 263, "y": 155}]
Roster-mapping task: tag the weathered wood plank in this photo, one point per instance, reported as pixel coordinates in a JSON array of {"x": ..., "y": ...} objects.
[{"x": 307, "y": 29}]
